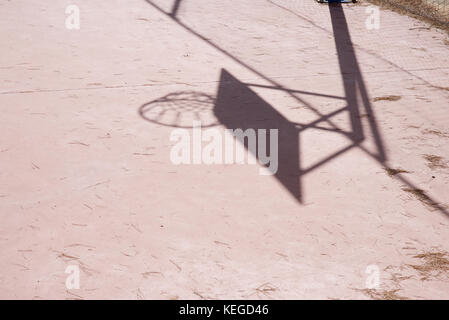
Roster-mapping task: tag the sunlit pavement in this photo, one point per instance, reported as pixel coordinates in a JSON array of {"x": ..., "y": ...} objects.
[{"x": 86, "y": 178}]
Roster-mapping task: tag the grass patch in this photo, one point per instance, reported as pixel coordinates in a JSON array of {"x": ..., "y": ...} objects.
[
  {"x": 418, "y": 10},
  {"x": 422, "y": 196},
  {"x": 392, "y": 172},
  {"x": 383, "y": 294},
  {"x": 387, "y": 98},
  {"x": 434, "y": 162},
  {"x": 435, "y": 132},
  {"x": 434, "y": 264}
]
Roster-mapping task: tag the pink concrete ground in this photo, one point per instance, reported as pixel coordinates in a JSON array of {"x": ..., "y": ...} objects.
[{"x": 85, "y": 180}]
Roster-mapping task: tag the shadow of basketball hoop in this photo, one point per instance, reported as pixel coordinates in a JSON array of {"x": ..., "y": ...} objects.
[
  {"x": 237, "y": 106},
  {"x": 180, "y": 110}
]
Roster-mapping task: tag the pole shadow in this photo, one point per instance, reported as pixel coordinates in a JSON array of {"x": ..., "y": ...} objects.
[
  {"x": 353, "y": 83},
  {"x": 175, "y": 8}
]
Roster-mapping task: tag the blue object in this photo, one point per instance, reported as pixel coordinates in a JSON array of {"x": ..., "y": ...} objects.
[{"x": 341, "y": 1}]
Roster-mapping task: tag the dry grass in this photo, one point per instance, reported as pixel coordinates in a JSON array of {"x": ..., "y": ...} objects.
[
  {"x": 266, "y": 288},
  {"x": 435, "y": 132},
  {"x": 387, "y": 98},
  {"x": 422, "y": 196},
  {"x": 435, "y": 264},
  {"x": 383, "y": 294},
  {"x": 422, "y": 11},
  {"x": 434, "y": 162},
  {"x": 397, "y": 278},
  {"x": 392, "y": 172}
]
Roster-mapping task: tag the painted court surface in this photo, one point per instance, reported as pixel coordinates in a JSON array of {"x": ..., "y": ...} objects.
[{"x": 86, "y": 177}]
